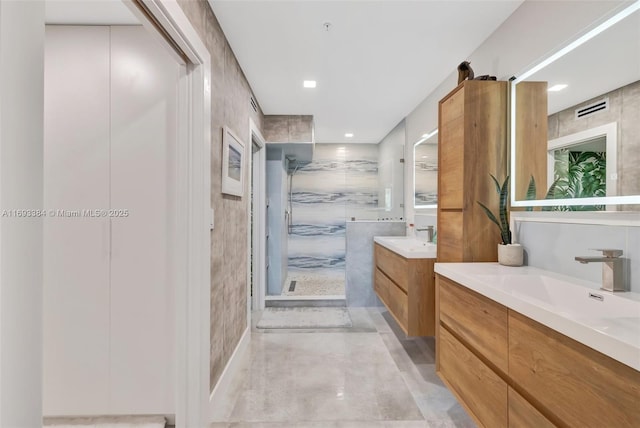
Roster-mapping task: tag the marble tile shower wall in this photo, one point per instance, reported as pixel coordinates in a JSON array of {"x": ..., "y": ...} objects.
[
  {"x": 340, "y": 183},
  {"x": 553, "y": 246}
]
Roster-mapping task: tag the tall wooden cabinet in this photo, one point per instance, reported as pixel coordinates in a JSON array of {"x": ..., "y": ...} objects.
[{"x": 472, "y": 143}]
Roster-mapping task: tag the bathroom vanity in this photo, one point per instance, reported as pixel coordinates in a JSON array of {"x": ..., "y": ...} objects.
[
  {"x": 404, "y": 281},
  {"x": 528, "y": 347}
]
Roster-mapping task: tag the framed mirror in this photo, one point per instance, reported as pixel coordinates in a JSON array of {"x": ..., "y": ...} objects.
[
  {"x": 575, "y": 123},
  {"x": 425, "y": 171}
]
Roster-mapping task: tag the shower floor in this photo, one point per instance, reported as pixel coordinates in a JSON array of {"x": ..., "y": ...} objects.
[{"x": 314, "y": 284}]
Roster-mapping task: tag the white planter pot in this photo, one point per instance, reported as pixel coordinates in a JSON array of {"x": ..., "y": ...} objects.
[{"x": 510, "y": 254}]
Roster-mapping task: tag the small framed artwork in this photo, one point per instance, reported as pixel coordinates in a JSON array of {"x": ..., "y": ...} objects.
[{"x": 232, "y": 164}]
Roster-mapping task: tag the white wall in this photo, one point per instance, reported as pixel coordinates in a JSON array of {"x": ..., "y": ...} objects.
[
  {"x": 391, "y": 172},
  {"x": 21, "y": 86},
  {"x": 530, "y": 34}
]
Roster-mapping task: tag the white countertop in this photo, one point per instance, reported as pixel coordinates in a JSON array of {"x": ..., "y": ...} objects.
[
  {"x": 563, "y": 303},
  {"x": 408, "y": 247}
]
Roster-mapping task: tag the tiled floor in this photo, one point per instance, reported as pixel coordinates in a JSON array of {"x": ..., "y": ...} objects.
[
  {"x": 314, "y": 284},
  {"x": 369, "y": 375}
]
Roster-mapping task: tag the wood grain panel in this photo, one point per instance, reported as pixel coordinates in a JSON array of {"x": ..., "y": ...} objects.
[
  {"x": 393, "y": 297},
  {"x": 451, "y": 139},
  {"x": 422, "y": 299},
  {"x": 523, "y": 415},
  {"x": 579, "y": 385},
  {"x": 450, "y": 236},
  {"x": 531, "y": 138},
  {"x": 393, "y": 265},
  {"x": 480, "y": 322},
  {"x": 483, "y": 392},
  {"x": 472, "y": 145},
  {"x": 485, "y": 154}
]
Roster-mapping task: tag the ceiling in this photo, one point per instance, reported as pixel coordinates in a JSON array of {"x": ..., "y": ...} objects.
[
  {"x": 376, "y": 63},
  {"x": 606, "y": 62}
]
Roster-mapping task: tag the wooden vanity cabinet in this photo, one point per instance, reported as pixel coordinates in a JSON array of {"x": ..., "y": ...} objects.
[
  {"x": 509, "y": 370},
  {"x": 407, "y": 289},
  {"x": 579, "y": 386},
  {"x": 472, "y": 143}
]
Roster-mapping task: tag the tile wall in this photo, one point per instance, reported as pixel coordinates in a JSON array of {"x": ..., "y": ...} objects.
[{"x": 341, "y": 183}]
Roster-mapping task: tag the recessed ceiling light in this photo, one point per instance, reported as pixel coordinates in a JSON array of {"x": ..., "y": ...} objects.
[
  {"x": 348, "y": 135},
  {"x": 424, "y": 157},
  {"x": 309, "y": 84},
  {"x": 556, "y": 88}
]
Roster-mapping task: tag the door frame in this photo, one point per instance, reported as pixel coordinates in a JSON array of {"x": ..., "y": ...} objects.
[
  {"x": 257, "y": 240},
  {"x": 22, "y": 150},
  {"x": 193, "y": 237},
  {"x": 166, "y": 20}
]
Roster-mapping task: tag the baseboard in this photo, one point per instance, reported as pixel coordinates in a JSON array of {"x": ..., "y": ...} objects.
[{"x": 220, "y": 396}]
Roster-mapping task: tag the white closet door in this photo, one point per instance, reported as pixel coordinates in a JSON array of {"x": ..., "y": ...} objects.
[
  {"x": 143, "y": 138},
  {"x": 76, "y": 252}
]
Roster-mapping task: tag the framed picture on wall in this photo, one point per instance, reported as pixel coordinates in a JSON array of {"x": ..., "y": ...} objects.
[{"x": 232, "y": 164}]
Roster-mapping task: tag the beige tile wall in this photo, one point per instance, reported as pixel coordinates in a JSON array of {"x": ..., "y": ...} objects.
[
  {"x": 230, "y": 106},
  {"x": 288, "y": 128}
]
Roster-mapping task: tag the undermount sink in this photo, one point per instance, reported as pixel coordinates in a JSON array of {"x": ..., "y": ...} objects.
[{"x": 408, "y": 247}]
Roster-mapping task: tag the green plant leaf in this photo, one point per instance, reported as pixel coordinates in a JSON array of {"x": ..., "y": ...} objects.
[
  {"x": 490, "y": 215},
  {"x": 531, "y": 192},
  {"x": 495, "y": 181},
  {"x": 504, "y": 219}
]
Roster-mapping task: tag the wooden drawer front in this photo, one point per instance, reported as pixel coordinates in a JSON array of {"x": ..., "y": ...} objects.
[
  {"x": 578, "y": 385},
  {"x": 451, "y": 152},
  {"x": 393, "y": 298},
  {"x": 483, "y": 392},
  {"x": 480, "y": 322},
  {"x": 393, "y": 265},
  {"x": 524, "y": 415},
  {"x": 450, "y": 236}
]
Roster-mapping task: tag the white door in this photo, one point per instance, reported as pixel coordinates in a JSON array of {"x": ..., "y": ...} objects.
[
  {"x": 143, "y": 135},
  {"x": 110, "y": 137},
  {"x": 76, "y": 249}
]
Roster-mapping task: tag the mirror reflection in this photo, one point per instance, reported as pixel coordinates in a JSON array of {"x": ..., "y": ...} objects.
[
  {"x": 425, "y": 171},
  {"x": 576, "y": 138}
]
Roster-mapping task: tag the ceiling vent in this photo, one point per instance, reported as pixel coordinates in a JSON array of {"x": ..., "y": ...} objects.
[
  {"x": 253, "y": 103},
  {"x": 598, "y": 106}
]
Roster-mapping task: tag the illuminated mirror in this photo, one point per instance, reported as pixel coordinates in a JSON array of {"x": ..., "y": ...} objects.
[
  {"x": 576, "y": 123},
  {"x": 425, "y": 171}
]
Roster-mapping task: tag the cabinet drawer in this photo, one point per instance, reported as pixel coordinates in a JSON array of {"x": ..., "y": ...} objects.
[
  {"x": 394, "y": 266},
  {"x": 524, "y": 415},
  {"x": 480, "y": 322},
  {"x": 577, "y": 384},
  {"x": 393, "y": 297},
  {"x": 482, "y": 391}
]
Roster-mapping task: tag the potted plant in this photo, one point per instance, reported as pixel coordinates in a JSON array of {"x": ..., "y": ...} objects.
[{"x": 509, "y": 254}]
